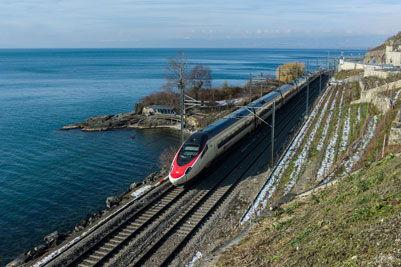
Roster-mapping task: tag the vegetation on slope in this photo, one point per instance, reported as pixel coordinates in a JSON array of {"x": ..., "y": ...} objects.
[{"x": 355, "y": 222}]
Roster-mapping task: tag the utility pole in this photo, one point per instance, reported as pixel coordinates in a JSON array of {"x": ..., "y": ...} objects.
[
  {"x": 327, "y": 60},
  {"x": 250, "y": 87},
  {"x": 335, "y": 64},
  {"x": 182, "y": 115},
  {"x": 261, "y": 84},
  {"x": 320, "y": 82},
  {"x": 307, "y": 98},
  {"x": 279, "y": 74},
  {"x": 329, "y": 71},
  {"x": 296, "y": 75},
  {"x": 307, "y": 65},
  {"x": 272, "y": 135}
]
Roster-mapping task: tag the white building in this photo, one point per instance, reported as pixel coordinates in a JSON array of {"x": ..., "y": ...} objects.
[{"x": 158, "y": 110}]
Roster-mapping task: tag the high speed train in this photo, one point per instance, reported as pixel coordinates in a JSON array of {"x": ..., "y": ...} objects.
[{"x": 202, "y": 147}]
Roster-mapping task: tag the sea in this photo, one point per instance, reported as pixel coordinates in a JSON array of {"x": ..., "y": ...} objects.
[{"x": 51, "y": 179}]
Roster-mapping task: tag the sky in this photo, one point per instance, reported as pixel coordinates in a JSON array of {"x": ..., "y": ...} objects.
[{"x": 197, "y": 23}]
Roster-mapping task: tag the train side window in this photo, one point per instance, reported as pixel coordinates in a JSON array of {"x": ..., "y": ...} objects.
[{"x": 204, "y": 151}]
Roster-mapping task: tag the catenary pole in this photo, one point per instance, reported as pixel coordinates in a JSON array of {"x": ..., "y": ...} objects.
[
  {"x": 261, "y": 84},
  {"x": 279, "y": 74},
  {"x": 182, "y": 116},
  {"x": 272, "y": 135},
  {"x": 250, "y": 87},
  {"x": 307, "y": 98},
  {"x": 320, "y": 82}
]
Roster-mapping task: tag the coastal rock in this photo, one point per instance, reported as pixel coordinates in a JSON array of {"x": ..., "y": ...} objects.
[
  {"x": 122, "y": 120},
  {"x": 72, "y": 126},
  {"x": 94, "y": 217},
  {"x": 112, "y": 201},
  {"x": 97, "y": 123},
  {"x": 78, "y": 228},
  {"x": 106, "y": 122},
  {"x": 133, "y": 186},
  {"x": 52, "y": 238},
  {"x": 20, "y": 261},
  {"x": 39, "y": 250},
  {"x": 151, "y": 177}
]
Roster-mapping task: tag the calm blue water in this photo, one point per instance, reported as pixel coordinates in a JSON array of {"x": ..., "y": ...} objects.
[{"x": 51, "y": 179}]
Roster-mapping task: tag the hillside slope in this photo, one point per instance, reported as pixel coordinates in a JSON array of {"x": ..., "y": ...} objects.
[
  {"x": 357, "y": 221},
  {"x": 354, "y": 222}
]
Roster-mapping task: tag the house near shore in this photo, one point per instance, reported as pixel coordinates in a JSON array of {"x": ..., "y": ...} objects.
[{"x": 158, "y": 110}]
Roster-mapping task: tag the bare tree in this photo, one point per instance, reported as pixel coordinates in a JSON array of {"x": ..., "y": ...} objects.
[
  {"x": 177, "y": 77},
  {"x": 167, "y": 156},
  {"x": 177, "y": 72},
  {"x": 200, "y": 76}
]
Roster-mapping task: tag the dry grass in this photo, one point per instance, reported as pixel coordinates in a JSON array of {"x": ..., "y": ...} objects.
[
  {"x": 346, "y": 73},
  {"x": 356, "y": 222}
]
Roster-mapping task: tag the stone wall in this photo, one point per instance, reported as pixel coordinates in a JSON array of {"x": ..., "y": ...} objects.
[
  {"x": 393, "y": 58},
  {"x": 395, "y": 132},
  {"x": 376, "y": 73},
  {"x": 369, "y": 69},
  {"x": 347, "y": 65},
  {"x": 375, "y": 97},
  {"x": 353, "y": 79}
]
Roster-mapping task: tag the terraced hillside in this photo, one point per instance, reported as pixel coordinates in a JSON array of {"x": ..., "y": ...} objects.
[
  {"x": 339, "y": 138},
  {"x": 339, "y": 224}
]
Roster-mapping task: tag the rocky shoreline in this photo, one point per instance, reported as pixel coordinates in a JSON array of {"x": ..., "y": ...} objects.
[
  {"x": 124, "y": 120},
  {"x": 57, "y": 237}
]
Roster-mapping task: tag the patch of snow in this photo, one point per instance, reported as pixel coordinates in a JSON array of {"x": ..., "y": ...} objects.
[
  {"x": 346, "y": 130},
  {"x": 197, "y": 256},
  {"x": 330, "y": 150},
  {"x": 326, "y": 126},
  {"x": 396, "y": 96},
  {"x": 301, "y": 159},
  {"x": 371, "y": 129},
  {"x": 269, "y": 188},
  {"x": 358, "y": 118},
  {"x": 140, "y": 191},
  {"x": 234, "y": 101}
]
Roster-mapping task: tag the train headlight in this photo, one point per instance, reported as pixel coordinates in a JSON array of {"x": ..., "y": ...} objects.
[{"x": 188, "y": 170}]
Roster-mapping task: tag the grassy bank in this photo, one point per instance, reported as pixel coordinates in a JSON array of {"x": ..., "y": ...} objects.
[{"x": 355, "y": 222}]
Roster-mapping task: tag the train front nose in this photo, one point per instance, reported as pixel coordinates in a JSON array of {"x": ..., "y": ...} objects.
[{"x": 176, "y": 176}]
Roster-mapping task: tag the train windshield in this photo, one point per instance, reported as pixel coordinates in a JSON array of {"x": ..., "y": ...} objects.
[
  {"x": 191, "y": 148},
  {"x": 190, "y": 151}
]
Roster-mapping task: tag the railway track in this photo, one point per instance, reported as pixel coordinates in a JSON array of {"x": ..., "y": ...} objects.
[
  {"x": 164, "y": 250},
  {"x": 154, "y": 232}
]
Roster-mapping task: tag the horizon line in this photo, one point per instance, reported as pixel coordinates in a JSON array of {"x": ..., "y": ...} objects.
[{"x": 180, "y": 48}]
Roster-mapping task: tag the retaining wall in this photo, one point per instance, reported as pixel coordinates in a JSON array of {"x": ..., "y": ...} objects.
[{"x": 373, "y": 96}]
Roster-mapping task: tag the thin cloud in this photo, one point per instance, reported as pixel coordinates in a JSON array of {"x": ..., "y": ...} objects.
[{"x": 84, "y": 23}]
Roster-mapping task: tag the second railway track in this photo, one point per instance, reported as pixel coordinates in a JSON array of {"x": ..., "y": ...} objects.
[{"x": 153, "y": 233}]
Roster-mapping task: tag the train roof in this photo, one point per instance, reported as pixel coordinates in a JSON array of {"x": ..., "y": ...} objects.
[{"x": 221, "y": 124}]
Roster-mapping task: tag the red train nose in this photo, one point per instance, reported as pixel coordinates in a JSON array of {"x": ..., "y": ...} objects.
[{"x": 177, "y": 172}]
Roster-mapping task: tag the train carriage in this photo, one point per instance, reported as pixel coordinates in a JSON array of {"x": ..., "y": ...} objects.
[{"x": 202, "y": 147}]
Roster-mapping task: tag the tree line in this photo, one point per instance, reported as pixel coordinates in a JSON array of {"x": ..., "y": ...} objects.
[{"x": 196, "y": 81}]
